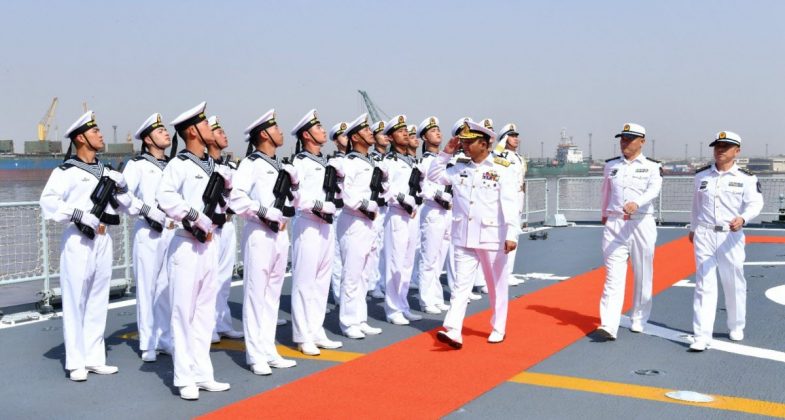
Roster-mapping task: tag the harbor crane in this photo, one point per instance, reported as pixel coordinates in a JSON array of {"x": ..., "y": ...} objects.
[
  {"x": 373, "y": 111},
  {"x": 46, "y": 121}
]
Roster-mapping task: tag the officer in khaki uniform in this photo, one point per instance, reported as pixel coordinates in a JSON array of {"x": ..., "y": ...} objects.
[{"x": 725, "y": 198}]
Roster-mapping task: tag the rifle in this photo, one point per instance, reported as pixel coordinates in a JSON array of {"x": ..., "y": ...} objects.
[
  {"x": 444, "y": 204},
  {"x": 102, "y": 196},
  {"x": 330, "y": 187},
  {"x": 154, "y": 225},
  {"x": 212, "y": 197},
  {"x": 281, "y": 190},
  {"x": 376, "y": 190},
  {"x": 414, "y": 189}
]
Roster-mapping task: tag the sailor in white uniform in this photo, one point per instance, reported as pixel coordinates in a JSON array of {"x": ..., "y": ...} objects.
[
  {"x": 152, "y": 235},
  {"x": 313, "y": 247},
  {"x": 400, "y": 229},
  {"x": 376, "y": 265},
  {"x": 226, "y": 237},
  {"x": 435, "y": 223},
  {"x": 338, "y": 135},
  {"x": 265, "y": 242},
  {"x": 725, "y": 198},
  {"x": 355, "y": 226},
  {"x": 191, "y": 263},
  {"x": 414, "y": 144},
  {"x": 507, "y": 148},
  {"x": 631, "y": 184},
  {"x": 85, "y": 263},
  {"x": 484, "y": 228}
]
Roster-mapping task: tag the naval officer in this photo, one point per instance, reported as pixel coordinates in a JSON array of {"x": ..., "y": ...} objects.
[
  {"x": 484, "y": 228},
  {"x": 725, "y": 198},
  {"x": 507, "y": 148},
  {"x": 85, "y": 264},
  {"x": 631, "y": 183},
  {"x": 152, "y": 235}
]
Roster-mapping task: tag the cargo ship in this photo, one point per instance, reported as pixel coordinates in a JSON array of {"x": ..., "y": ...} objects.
[
  {"x": 569, "y": 161},
  {"x": 41, "y": 157}
]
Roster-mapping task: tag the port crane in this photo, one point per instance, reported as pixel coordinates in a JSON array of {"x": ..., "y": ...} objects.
[
  {"x": 373, "y": 111},
  {"x": 46, "y": 121}
]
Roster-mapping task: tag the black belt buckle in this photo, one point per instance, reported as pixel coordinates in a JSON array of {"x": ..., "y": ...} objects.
[{"x": 718, "y": 228}]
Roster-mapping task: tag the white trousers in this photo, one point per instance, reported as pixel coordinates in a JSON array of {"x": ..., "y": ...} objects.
[
  {"x": 153, "y": 297},
  {"x": 376, "y": 265},
  {"x": 264, "y": 267},
  {"x": 623, "y": 240},
  {"x": 191, "y": 268},
  {"x": 400, "y": 233},
  {"x": 435, "y": 234},
  {"x": 85, "y": 272},
  {"x": 467, "y": 262},
  {"x": 313, "y": 250},
  {"x": 357, "y": 234},
  {"x": 227, "y": 256},
  {"x": 337, "y": 269},
  {"x": 723, "y": 252},
  {"x": 479, "y": 278}
]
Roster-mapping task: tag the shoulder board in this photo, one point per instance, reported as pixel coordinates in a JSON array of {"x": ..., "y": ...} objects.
[
  {"x": 746, "y": 171},
  {"x": 300, "y": 156},
  {"x": 702, "y": 169},
  {"x": 389, "y": 156},
  {"x": 352, "y": 156},
  {"x": 613, "y": 158},
  {"x": 463, "y": 160},
  {"x": 65, "y": 165},
  {"x": 252, "y": 157},
  {"x": 653, "y": 160},
  {"x": 501, "y": 161},
  {"x": 138, "y": 158},
  {"x": 182, "y": 156}
]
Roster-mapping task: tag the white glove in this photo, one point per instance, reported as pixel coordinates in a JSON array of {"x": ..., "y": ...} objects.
[
  {"x": 156, "y": 215},
  {"x": 385, "y": 186},
  {"x": 226, "y": 173},
  {"x": 446, "y": 197},
  {"x": 203, "y": 223},
  {"x": 293, "y": 173},
  {"x": 385, "y": 174},
  {"x": 89, "y": 219},
  {"x": 372, "y": 207},
  {"x": 124, "y": 199},
  {"x": 407, "y": 200},
  {"x": 328, "y": 207},
  {"x": 274, "y": 215},
  {"x": 115, "y": 176}
]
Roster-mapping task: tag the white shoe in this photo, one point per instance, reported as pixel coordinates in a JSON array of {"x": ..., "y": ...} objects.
[
  {"x": 443, "y": 306},
  {"x": 213, "y": 386},
  {"x": 636, "y": 327},
  {"x": 354, "y": 332},
  {"x": 281, "y": 363},
  {"x": 484, "y": 289},
  {"x": 377, "y": 294},
  {"x": 514, "y": 281},
  {"x": 433, "y": 310},
  {"x": 280, "y": 322},
  {"x": 215, "y": 339},
  {"x": 605, "y": 334},
  {"x": 234, "y": 334},
  {"x": 398, "y": 319},
  {"x": 474, "y": 296},
  {"x": 309, "y": 349},
  {"x": 699, "y": 346},
  {"x": 412, "y": 316},
  {"x": 495, "y": 337},
  {"x": 190, "y": 392},
  {"x": 737, "y": 335},
  {"x": 262, "y": 369},
  {"x": 149, "y": 356},
  {"x": 102, "y": 370},
  {"x": 369, "y": 330},
  {"x": 328, "y": 344},
  {"x": 78, "y": 375},
  {"x": 450, "y": 338}
]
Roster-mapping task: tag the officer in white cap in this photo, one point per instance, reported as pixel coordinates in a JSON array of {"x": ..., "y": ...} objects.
[
  {"x": 313, "y": 247},
  {"x": 507, "y": 148},
  {"x": 265, "y": 242},
  {"x": 484, "y": 228},
  {"x": 226, "y": 237},
  {"x": 435, "y": 222},
  {"x": 191, "y": 263},
  {"x": 725, "y": 198},
  {"x": 355, "y": 225},
  {"x": 85, "y": 263},
  {"x": 631, "y": 183},
  {"x": 338, "y": 135},
  {"x": 376, "y": 265},
  {"x": 414, "y": 144},
  {"x": 400, "y": 227},
  {"x": 152, "y": 235},
  {"x": 414, "y": 141}
]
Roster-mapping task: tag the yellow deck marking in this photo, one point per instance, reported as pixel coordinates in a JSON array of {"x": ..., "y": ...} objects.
[
  {"x": 239, "y": 345},
  {"x": 721, "y": 402}
]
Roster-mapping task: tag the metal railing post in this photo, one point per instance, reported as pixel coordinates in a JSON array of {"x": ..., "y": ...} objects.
[
  {"x": 127, "y": 254},
  {"x": 558, "y": 192},
  {"x": 45, "y": 244}
]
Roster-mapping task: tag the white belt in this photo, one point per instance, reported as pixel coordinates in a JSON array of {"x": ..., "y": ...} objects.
[
  {"x": 716, "y": 228},
  {"x": 625, "y": 216}
]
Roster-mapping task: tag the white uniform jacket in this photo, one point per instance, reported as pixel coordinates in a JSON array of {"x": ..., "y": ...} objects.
[
  {"x": 638, "y": 180},
  {"x": 721, "y": 196}
]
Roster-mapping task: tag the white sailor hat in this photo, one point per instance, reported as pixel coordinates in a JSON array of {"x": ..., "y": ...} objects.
[
  {"x": 726, "y": 137},
  {"x": 472, "y": 130},
  {"x": 458, "y": 125},
  {"x": 267, "y": 120},
  {"x": 377, "y": 127},
  {"x": 148, "y": 126},
  {"x": 191, "y": 117},
  {"x": 214, "y": 123},
  {"x": 412, "y": 129},
  {"x": 337, "y": 130},
  {"x": 397, "y": 122},
  {"x": 84, "y": 123},
  {"x": 358, "y": 124},
  {"x": 632, "y": 129},
  {"x": 488, "y": 123},
  {"x": 427, "y": 124},
  {"x": 507, "y": 130},
  {"x": 308, "y": 120}
]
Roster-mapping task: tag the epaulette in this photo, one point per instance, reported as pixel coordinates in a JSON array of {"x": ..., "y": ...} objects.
[
  {"x": 653, "y": 160},
  {"x": 351, "y": 156},
  {"x": 182, "y": 156},
  {"x": 702, "y": 169},
  {"x": 65, "y": 165},
  {"x": 138, "y": 158},
  {"x": 613, "y": 158},
  {"x": 746, "y": 171},
  {"x": 462, "y": 160},
  {"x": 252, "y": 157},
  {"x": 300, "y": 155},
  {"x": 501, "y": 161}
]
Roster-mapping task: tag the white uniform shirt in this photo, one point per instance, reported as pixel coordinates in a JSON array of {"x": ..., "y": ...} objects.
[
  {"x": 310, "y": 195},
  {"x": 638, "y": 180},
  {"x": 518, "y": 168},
  {"x": 253, "y": 183},
  {"x": 485, "y": 211},
  {"x": 182, "y": 185},
  {"x": 69, "y": 188},
  {"x": 399, "y": 169},
  {"x": 429, "y": 188},
  {"x": 356, "y": 170},
  {"x": 720, "y": 196},
  {"x": 143, "y": 175}
]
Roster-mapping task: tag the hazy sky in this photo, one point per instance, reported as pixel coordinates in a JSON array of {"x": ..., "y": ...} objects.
[{"x": 683, "y": 69}]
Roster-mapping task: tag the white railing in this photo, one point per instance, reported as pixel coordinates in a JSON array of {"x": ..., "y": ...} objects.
[
  {"x": 535, "y": 206},
  {"x": 579, "y": 198}
]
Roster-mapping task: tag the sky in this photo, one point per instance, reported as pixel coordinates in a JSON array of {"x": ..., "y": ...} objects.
[{"x": 683, "y": 69}]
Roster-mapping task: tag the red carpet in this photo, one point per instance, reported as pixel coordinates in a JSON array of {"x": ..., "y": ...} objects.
[{"x": 420, "y": 378}]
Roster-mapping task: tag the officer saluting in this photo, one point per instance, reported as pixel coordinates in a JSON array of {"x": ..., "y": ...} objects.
[
  {"x": 631, "y": 183},
  {"x": 725, "y": 198},
  {"x": 484, "y": 228}
]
